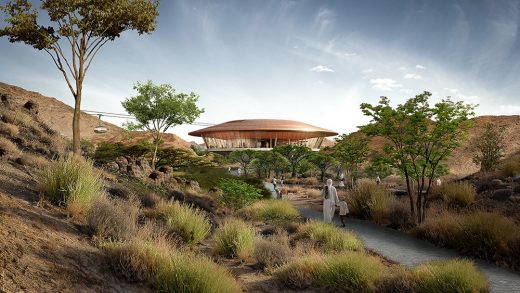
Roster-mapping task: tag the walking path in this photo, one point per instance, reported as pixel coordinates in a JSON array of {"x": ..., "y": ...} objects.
[{"x": 410, "y": 251}]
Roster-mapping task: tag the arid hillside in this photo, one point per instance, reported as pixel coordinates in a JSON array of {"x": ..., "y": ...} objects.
[{"x": 58, "y": 116}]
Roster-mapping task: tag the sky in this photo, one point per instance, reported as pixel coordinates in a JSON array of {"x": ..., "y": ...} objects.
[{"x": 311, "y": 61}]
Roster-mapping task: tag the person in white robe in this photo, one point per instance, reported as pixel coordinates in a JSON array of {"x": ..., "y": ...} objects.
[{"x": 330, "y": 199}]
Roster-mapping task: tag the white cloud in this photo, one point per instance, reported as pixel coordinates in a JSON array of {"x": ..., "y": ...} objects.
[
  {"x": 321, "y": 68},
  {"x": 453, "y": 91},
  {"x": 402, "y": 68},
  {"x": 350, "y": 54},
  {"x": 407, "y": 91},
  {"x": 368, "y": 70},
  {"x": 509, "y": 109},
  {"x": 324, "y": 18},
  {"x": 419, "y": 66},
  {"x": 384, "y": 84},
  {"x": 412, "y": 76}
]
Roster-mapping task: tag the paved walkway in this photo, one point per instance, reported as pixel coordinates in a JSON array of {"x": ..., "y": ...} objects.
[{"x": 410, "y": 251}]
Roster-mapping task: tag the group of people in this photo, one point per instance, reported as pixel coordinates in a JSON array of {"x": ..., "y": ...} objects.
[
  {"x": 275, "y": 184},
  {"x": 330, "y": 201}
]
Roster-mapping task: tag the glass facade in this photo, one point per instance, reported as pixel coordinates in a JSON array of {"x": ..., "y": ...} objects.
[{"x": 258, "y": 143}]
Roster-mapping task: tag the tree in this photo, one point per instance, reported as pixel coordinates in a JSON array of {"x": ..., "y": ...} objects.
[
  {"x": 378, "y": 167},
  {"x": 419, "y": 138},
  {"x": 77, "y": 30},
  {"x": 489, "y": 147},
  {"x": 157, "y": 108},
  {"x": 323, "y": 162},
  {"x": 243, "y": 157},
  {"x": 294, "y": 154},
  {"x": 177, "y": 157},
  {"x": 351, "y": 151},
  {"x": 267, "y": 161}
]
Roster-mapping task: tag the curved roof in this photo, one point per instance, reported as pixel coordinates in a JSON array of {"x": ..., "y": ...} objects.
[{"x": 245, "y": 128}]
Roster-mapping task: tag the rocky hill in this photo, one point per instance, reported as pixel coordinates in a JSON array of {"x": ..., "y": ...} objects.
[{"x": 58, "y": 116}]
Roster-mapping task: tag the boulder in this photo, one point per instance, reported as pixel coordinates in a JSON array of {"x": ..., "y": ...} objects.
[{"x": 502, "y": 194}]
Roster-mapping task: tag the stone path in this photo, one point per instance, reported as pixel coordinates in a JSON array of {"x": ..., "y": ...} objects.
[{"x": 410, "y": 251}]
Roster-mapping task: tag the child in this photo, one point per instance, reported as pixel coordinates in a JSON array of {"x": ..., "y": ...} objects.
[{"x": 343, "y": 211}]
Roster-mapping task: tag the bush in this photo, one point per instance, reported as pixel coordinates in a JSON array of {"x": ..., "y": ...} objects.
[
  {"x": 234, "y": 238},
  {"x": 272, "y": 252},
  {"x": 461, "y": 194},
  {"x": 113, "y": 218},
  {"x": 8, "y": 149},
  {"x": 450, "y": 276},
  {"x": 168, "y": 270},
  {"x": 368, "y": 200},
  {"x": 192, "y": 225},
  {"x": 277, "y": 211},
  {"x": 439, "y": 229},
  {"x": 329, "y": 237},
  {"x": 9, "y": 129},
  {"x": 71, "y": 181},
  {"x": 511, "y": 168},
  {"x": 398, "y": 213},
  {"x": 351, "y": 272},
  {"x": 301, "y": 272},
  {"x": 237, "y": 193},
  {"x": 397, "y": 279}
]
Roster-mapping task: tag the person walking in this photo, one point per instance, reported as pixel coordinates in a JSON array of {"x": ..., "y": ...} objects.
[
  {"x": 274, "y": 183},
  {"x": 239, "y": 171},
  {"x": 281, "y": 181},
  {"x": 343, "y": 211},
  {"x": 378, "y": 180},
  {"x": 330, "y": 199}
]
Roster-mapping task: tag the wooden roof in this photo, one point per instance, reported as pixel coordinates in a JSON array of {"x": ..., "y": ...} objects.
[{"x": 259, "y": 128}]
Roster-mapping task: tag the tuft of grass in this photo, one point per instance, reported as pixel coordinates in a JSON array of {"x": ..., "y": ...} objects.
[
  {"x": 301, "y": 272},
  {"x": 115, "y": 219},
  {"x": 169, "y": 270},
  {"x": 461, "y": 194},
  {"x": 8, "y": 149},
  {"x": 273, "y": 211},
  {"x": 34, "y": 160},
  {"x": 510, "y": 168},
  {"x": 9, "y": 129},
  {"x": 17, "y": 117},
  {"x": 398, "y": 213},
  {"x": 72, "y": 182},
  {"x": 368, "y": 200},
  {"x": 272, "y": 252},
  {"x": 329, "y": 237},
  {"x": 235, "y": 238},
  {"x": 191, "y": 224},
  {"x": 351, "y": 272},
  {"x": 397, "y": 279},
  {"x": 450, "y": 276}
]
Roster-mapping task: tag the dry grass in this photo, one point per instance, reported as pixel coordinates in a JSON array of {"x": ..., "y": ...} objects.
[
  {"x": 460, "y": 194},
  {"x": 301, "y": 272},
  {"x": 368, "y": 200},
  {"x": 35, "y": 161},
  {"x": 328, "y": 237},
  {"x": 18, "y": 117},
  {"x": 8, "y": 150},
  {"x": 115, "y": 219},
  {"x": 398, "y": 213},
  {"x": 9, "y": 129},
  {"x": 235, "y": 238},
  {"x": 273, "y": 251},
  {"x": 272, "y": 211}
]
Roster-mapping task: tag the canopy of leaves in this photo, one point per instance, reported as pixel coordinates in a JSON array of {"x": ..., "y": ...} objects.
[
  {"x": 267, "y": 161},
  {"x": 351, "y": 151},
  {"x": 490, "y": 147},
  {"x": 237, "y": 193},
  {"x": 293, "y": 153}
]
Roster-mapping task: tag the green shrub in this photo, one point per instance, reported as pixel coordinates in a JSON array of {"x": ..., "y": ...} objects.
[
  {"x": 450, "y": 276},
  {"x": 71, "y": 181},
  {"x": 351, "y": 272},
  {"x": 234, "y": 238},
  {"x": 484, "y": 234},
  {"x": 368, "y": 200},
  {"x": 272, "y": 252},
  {"x": 192, "y": 225},
  {"x": 301, "y": 272},
  {"x": 237, "y": 193},
  {"x": 461, "y": 194},
  {"x": 168, "y": 270},
  {"x": 275, "y": 211},
  {"x": 113, "y": 218},
  {"x": 329, "y": 237}
]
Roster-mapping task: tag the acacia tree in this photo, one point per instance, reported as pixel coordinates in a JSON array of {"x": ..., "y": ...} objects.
[
  {"x": 294, "y": 154},
  {"x": 490, "y": 147},
  {"x": 420, "y": 137},
  {"x": 157, "y": 108},
  {"x": 77, "y": 30},
  {"x": 323, "y": 162},
  {"x": 243, "y": 157},
  {"x": 351, "y": 151}
]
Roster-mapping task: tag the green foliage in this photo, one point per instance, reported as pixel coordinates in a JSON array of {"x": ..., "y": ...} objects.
[
  {"x": 305, "y": 168},
  {"x": 267, "y": 161},
  {"x": 71, "y": 181},
  {"x": 323, "y": 162},
  {"x": 490, "y": 147},
  {"x": 218, "y": 159},
  {"x": 329, "y": 237},
  {"x": 177, "y": 157},
  {"x": 234, "y": 238},
  {"x": 158, "y": 107},
  {"x": 237, "y": 193},
  {"x": 419, "y": 138},
  {"x": 461, "y": 194},
  {"x": 450, "y": 276},
  {"x": 108, "y": 150},
  {"x": 351, "y": 151},
  {"x": 79, "y": 25},
  {"x": 378, "y": 167},
  {"x": 200, "y": 151},
  {"x": 191, "y": 224},
  {"x": 368, "y": 200},
  {"x": 169, "y": 270},
  {"x": 243, "y": 157},
  {"x": 350, "y": 272},
  {"x": 294, "y": 154},
  {"x": 274, "y": 211}
]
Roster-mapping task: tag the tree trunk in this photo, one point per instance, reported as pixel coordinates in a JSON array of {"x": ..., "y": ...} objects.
[
  {"x": 76, "y": 136},
  {"x": 410, "y": 196},
  {"x": 154, "y": 158},
  {"x": 293, "y": 173}
]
